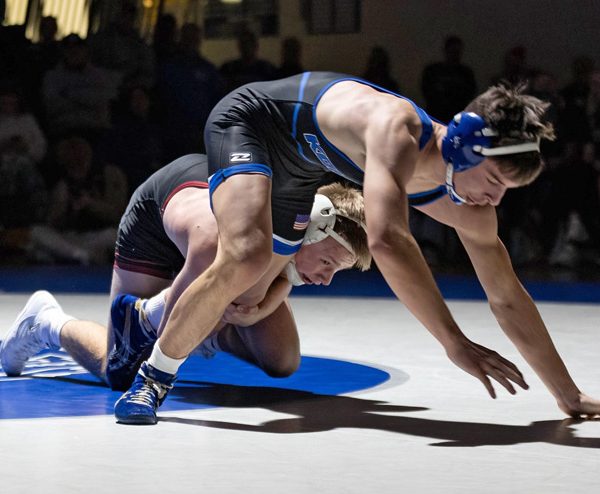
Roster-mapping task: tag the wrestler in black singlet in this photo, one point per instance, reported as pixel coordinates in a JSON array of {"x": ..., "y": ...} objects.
[
  {"x": 142, "y": 243},
  {"x": 271, "y": 128}
]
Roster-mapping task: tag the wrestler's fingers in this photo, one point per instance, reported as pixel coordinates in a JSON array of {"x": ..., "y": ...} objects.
[
  {"x": 509, "y": 372},
  {"x": 487, "y": 383},
  {"x": 498, "y": 376}
]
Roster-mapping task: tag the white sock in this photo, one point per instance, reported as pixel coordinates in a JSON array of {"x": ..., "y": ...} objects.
[
  {"x": 163, "y": 363},
  {"x": 154, "y": 308},
  {"x": 52, "y": 321}
]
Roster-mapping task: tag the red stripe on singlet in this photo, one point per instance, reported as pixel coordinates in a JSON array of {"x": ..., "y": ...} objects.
[{"x": 193, "y": 183}]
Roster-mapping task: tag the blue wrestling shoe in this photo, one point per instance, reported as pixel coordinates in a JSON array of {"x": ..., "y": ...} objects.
[
  {"x": 138, "y": 406},
  {"x": 134, "y": 338}
]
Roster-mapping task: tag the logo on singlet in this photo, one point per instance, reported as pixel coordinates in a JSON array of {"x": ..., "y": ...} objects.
[
  {"x": 302, "y": 221},
  {"x": 240, "y": 157},
  {"x": 317, "y": 150}
]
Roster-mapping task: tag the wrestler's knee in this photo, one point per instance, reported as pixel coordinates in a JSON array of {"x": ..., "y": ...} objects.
[
  {"x": 251, "y": 252},
  {"x": 283, "y": 366}
]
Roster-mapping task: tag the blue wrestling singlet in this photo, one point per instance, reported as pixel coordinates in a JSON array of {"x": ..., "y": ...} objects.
[{"x": 271, "y": 128}]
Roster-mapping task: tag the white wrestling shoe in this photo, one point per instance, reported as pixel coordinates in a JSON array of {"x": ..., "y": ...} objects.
[{"x": 24, "y": 338}]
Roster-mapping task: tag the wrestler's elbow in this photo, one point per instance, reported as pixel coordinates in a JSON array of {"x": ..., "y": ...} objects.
[{"x": 384, "y": 241}]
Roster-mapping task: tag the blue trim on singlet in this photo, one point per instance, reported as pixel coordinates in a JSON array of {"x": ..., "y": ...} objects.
[
  {"x": 316, "y": 124},
  {"x": 219, "y": 177},
  {"x": 434, "y": 195},
  {"x": 426, "y": 124},
  {"x": 297, "y": 107},
  {"x": 426, "y": 131},
  {"x": 285, "y": 247}
]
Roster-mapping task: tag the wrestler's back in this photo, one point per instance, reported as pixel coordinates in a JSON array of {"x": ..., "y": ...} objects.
[{"x": 349, "y": 111}]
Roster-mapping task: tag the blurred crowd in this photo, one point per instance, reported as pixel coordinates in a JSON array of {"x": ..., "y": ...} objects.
[{"x": 84, "y": 121}]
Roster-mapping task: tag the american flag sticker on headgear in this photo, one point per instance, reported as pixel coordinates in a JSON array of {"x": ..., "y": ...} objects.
[{"x": 302, "y": 221}]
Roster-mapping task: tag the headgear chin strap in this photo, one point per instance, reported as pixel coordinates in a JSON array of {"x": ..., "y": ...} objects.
[
  {"x": 322, "y": 221},
  {"x": 451, "y": 191},
  {"x": 467, "y": 143},
  {"x": 291, "y": 273}
]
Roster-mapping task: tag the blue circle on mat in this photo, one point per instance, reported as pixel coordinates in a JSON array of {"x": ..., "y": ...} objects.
[{"x": 53, "y": 385}]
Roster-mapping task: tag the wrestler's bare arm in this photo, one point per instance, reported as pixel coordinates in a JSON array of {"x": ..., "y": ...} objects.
[
  {"x": 190, "y": 224},
  {"x": 510, "y": 303},
  {"x": 247, "y": 315},
  {"x": 391, "y": 157}
]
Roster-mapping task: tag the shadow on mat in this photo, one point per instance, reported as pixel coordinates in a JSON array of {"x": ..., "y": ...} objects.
[{"x": 317, "y": 413}]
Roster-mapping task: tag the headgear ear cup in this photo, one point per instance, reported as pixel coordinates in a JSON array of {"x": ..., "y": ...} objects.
[
  {"x": 322, "y": 217},
  {"x": 322, "y": 220},
  {"x": 467, "y": 134}
]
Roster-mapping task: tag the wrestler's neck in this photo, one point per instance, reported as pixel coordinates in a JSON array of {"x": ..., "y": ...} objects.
[{"x": 430, "y": 169}]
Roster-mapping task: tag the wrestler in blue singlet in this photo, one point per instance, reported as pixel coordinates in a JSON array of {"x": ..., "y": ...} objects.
[{"x": 271, "y": 128}]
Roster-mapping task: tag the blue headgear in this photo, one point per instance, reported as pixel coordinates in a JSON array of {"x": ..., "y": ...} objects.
[
  {"x": 467, "y": 132},
  {"x": 468, "y": 142}
]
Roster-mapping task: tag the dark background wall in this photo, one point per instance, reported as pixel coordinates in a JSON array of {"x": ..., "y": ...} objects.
[{"x": 553, "y": 31}]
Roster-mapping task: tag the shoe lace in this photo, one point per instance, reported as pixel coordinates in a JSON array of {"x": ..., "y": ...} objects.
[
  {"x": 149, "y": 393},
  {"x": 146, "y": 396}
]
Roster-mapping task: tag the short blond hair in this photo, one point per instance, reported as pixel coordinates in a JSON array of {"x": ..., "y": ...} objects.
[{"x": 350, "y": 204}]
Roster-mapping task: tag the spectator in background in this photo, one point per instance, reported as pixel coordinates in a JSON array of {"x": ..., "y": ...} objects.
[
  {"x": 448, "y": 86},
  {"x": 515, "y": 70},
  {"x": 291, "y": 58},
  {"x": 134, "y": 143},
  {"x": 164, "y": 39},
  {"x": 248, "y": 67},
  {"x": 76, "y": 93},
  {"x": 575, "y": 126},
  {"x": 120, "y": 50},
  {"x": 20, "y": 134},
  {"x": 48, "y": 46},
  {"x": 189, "y": 86},
  {"x": 22, "y": 145},
  {"x": 84, "y": 209},
  {"x": 378, "y": 70},
  {"x": 593, "y": 108},
  {"x": 574, "y": 203}
]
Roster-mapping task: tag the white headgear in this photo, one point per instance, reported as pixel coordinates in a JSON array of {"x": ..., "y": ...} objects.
[{"x": 322, "y": 221}]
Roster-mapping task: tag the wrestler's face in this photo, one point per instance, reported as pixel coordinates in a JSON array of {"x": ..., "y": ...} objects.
[
  {"x": 317, "y": 263},
  {"x": 483, "y": 184}
]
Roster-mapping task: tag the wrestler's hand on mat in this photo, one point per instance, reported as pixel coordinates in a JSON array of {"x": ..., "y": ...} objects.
[
  {"x": 584, "y": 407},
  {"x": 242, "y": 315},
  {"x": 484, "y": 363}
]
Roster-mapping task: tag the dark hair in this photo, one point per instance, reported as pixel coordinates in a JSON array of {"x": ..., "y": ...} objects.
[
  {"x": 73, "y": 39},
  {"x": 452, "y": 40},
  {"x": 516, "y": 117}
]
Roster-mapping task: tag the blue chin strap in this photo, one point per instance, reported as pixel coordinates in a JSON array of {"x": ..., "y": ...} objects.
[{"x": 467, "y": 143}]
